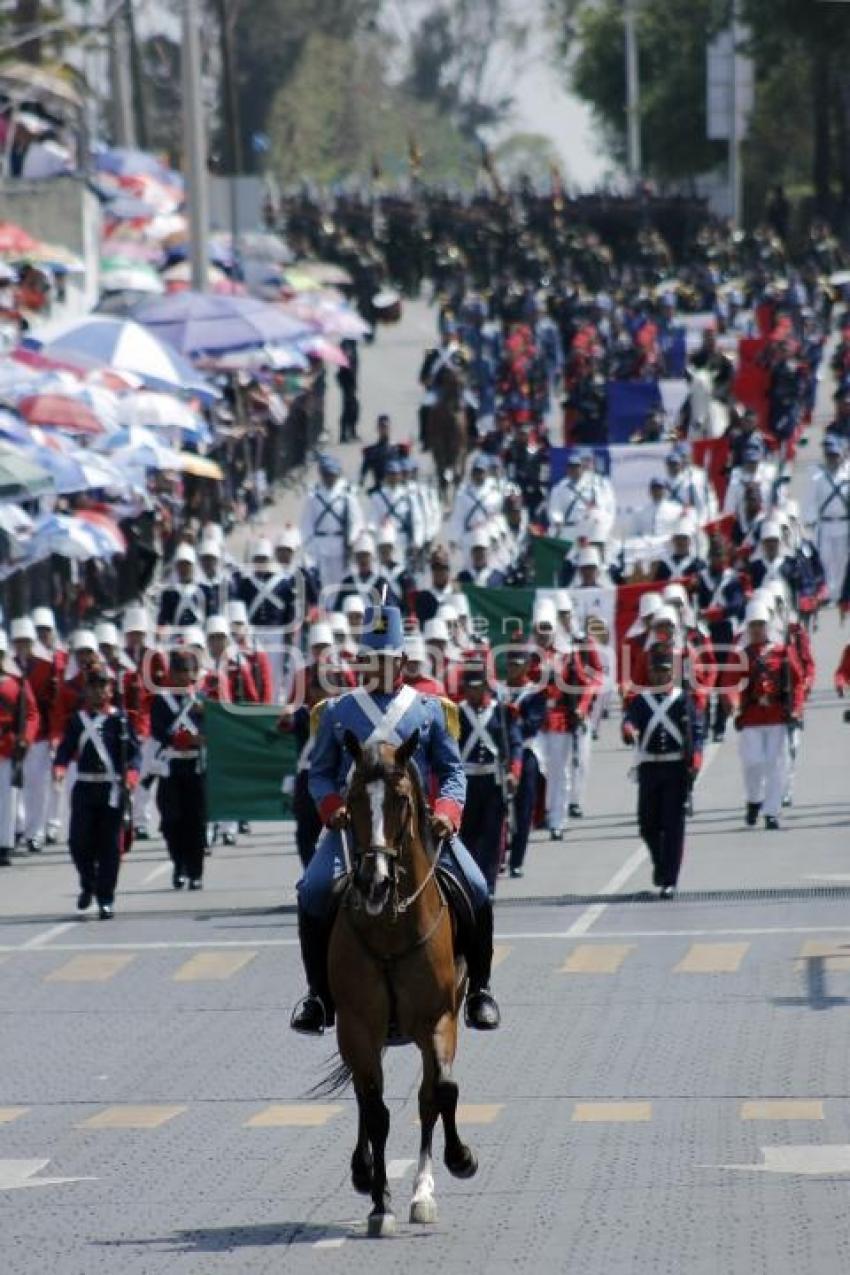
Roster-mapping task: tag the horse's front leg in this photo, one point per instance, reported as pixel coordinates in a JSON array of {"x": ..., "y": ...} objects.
[
  {"x": 460, "y": 1159},
  {"x": 361, "y": 1160},
  {"x": 423, "y": 1205},
  {"x": 377, "y": 1120}
]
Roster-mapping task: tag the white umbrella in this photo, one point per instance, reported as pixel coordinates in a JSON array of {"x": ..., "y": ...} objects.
[
  {"x": 131, "y": 278},
  {"x": 156, "y": 411},
  {"x": 147, "y": 456}
]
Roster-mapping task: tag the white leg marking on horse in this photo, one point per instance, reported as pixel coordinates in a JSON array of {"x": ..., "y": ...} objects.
[{"x": 423, "y": 1206}]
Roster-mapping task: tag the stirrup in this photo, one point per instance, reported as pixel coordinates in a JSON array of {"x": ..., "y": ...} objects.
[
  {"x": 310, "y": 1017},
  {"x": 481, "y": 1012}
]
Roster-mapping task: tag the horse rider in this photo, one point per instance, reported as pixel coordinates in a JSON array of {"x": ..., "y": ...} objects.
[
  {"x": 828, "y": 513},
  {"x": 384, "y": 710},
  {"x": 330, "y": 522}
]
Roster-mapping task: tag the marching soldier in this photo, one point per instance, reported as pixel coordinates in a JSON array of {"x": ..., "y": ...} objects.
[
  {"x": 401, "y": 580},
  {"x": 182, "y": 602},
  {"x": 663, "y": 723},
  {"x": 480, "y": 571},
  {"x": 689, "y": 485},
  {"x": 393, "y": 503},
  {"x": 571, "y": 640},
  {"x": 428, "y": 601},
  {"x": 42, "y": 670},
  {"x": 720, "y": 601},
  {"x": 490, "y": 750},
  {"x": 381, "y": 709},
  {"x": 753, "y": 471},
  {"x": 177, "y": 727},
  {"x": 527, "y": 702},
  {"x": 148, "y": 670},
  {"x": 258, "y": 661},
  {"x": 681, "y": 561},
  {"x": 769, "y": 703},
  {"x": 828, "y": 513},
  {"x": 772, "y": 561},
  {"x": 377, "y": 455},
  {"x": 19, "y": 723},
  {"x": 105, "y": 748},
  {"x": 369, "y": 583},
  {"x": 214, "y": 582},
  {"x": 571, "y": 499},
  {"x": 476, "y": 502},
  {"x": 330, "y": 523},
  {"x": 270, "y": 607}
]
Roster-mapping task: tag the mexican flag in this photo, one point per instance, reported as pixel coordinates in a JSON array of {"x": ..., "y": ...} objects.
[{"x": 248, "y": 762}]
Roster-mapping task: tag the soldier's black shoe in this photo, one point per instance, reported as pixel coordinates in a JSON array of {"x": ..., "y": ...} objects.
[
  {"x": 178, "y": 880},
  {"x": 667, "y": 892},
  {"x": 83, "y": 900},
  {"x": 771, "y": 823},
  {"x": 34, "y": 845},
  {"x": 196, "y": 883},
  {"x": 140, "y": 832},
  {"x": 244, "y": 827},
  {"x": 309, "y": 1017},
  {"x": 575, "y": 810},
  {"x": 51, "y": 836},
  {"x": 229, "y": 838},
  {"x": 5, "y": 858},
  {"x": 752, "y": 815},
  {"x": 106, "y": 912},
  {"x": 787, "y": 801},
  {"x": 481, "y": 1011},
  {"x": 556, "y": 834},
  {"x": 517, "y": 873}
]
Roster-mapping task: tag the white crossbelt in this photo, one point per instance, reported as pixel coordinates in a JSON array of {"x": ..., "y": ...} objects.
[
  {"x": 383, "y": 728},
  {"x": 265, "y": 593},
  {"x": 478, "y": 734},
  {"x": 191, "y": 600},
  {"x": 303, "y": 762},
  {"x": 182, "y": 721},
  {"x": 329, "y": 507},
  {"x": 90, "y": 734},
  {"x": 660, "y": 718}
]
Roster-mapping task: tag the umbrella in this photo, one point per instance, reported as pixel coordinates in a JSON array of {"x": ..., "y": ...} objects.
[
  {"x": 196, "y": 323},
  {"x": 60, "y": 412},
  {"x": 130, "y": 276},
  {"x": 13, "y": 429},
  {"x": 64, "y": 536},
  {"x": 326, "y": 351},
  {"x": 274, "y": 357},
  {"x": 126, "y": 161},
  {"x": 20, "y": 477},
  {"x": 105, "y": 530},
  {"x": 15, "y": 242},
  {"x": 181, "y": 272},
  {"x": 151, "y": 455},
  {"x": 200, "y": 466},
  {"x": 157, "y": 411},
  {"x": 265, "y": 246},
  {"x": 125, "y": 346},
  {"x": 80, "y": 471}
]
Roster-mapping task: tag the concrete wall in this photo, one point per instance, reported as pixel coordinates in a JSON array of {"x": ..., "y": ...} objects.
[
  {"x": 249, "y": 196},
  {"x": 62, "y": 211}
]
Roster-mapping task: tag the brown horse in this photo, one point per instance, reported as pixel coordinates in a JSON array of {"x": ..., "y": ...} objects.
[
  {"x": 447, "y": 435},
  {"x": 392, "y": 964}
]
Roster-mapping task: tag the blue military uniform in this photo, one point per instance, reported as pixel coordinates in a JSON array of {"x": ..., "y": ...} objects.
[
  {"x": 668, "y": 732},
  {"x": 387, "y": 717},
  {"x": 378, "y": 717},
  {"x": 528, "y": 704},
  {"x": 490, "y": 748}
]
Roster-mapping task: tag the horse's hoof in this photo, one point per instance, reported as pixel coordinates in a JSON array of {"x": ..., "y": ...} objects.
[
  {"x": 465, "y": 1166},
  {"x": 380, "y": 1225},
  {"x": 423, "y": 1211}
]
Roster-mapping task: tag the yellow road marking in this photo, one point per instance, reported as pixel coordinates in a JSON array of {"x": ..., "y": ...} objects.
[
  {"x": 783, "y": 1109},
  {"x": 501, "y": 952},
  {"x": 596, "y": 958},
  {"x": 8, "y": 1114},
  {"x": 132, "y": 1117},
  {"x": 835, "y": 953},
  {"x": 213, "y": 966},
  {"x": 712, "y": 958},
  {"x": 479, "y": 1112},
  {"x": 90, "y": 967},
  {"x": 611, "y": 1112},
  {"x": 293, "y": 1115}
]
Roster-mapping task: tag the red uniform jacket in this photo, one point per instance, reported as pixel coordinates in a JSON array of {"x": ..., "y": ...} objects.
[
  {"x": 698, "y": 669},
  {"x": 68, "y": 700},
  {"x": 800, "y": 643},
  {"x": 44, "y": 677},
  {"x": 426, "y": 685},
  {"x": 10, "y": 691},
  {"x": 232, "y": 683},
  {"x": 772, "y": 689},
  {"x": 261, "y": 671},
  {"x": 139, "y": 685},
  {"x": 842, "y": 673},
  {"x": 572, "y": 681}
]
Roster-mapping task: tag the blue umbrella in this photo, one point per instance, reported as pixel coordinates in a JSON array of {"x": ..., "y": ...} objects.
[
  {"x": 125, "y": 346},
  {"x": 125, "y": 161},
  {"x": 197, "y": 323}
]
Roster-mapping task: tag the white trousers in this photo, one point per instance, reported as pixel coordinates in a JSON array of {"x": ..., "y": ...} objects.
[
  {"x": 8, "y": 805},
  {"x": 764, "y": 761},
  {"x": 274, "y": 640},
  {"x": 143, "y": 794},
  {"x": 330, "y": 560},
  {"x": 833, "y": 546},
  {"x": 563, "y": 762},
  {"x": 38, "y": 785}
]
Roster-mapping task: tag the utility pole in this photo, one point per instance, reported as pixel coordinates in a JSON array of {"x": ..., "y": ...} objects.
[
  {"x": 195, "y": 147},
  {"x": 123, "y": 128},
  {"x": 230, "y": 115},
  {"x": 632, "y": 89},
  {"x": 735, "y": 179}
]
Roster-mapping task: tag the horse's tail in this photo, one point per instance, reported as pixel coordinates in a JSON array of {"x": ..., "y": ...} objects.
[{"x": 335, "y": 1081}]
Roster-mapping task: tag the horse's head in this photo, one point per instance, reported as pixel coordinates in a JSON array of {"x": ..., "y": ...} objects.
[{"x": 382, "y": 802}]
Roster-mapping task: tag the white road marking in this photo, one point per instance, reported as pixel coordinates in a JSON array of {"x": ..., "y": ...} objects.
[
  {"x": 396, "y": 1169},
  {"x": 161, "y": 870},
  {"x": 17, "y": 1174},
  {"x": 812, "y": 1160},
  {"x": 592, "y": 914},
  {"x": 39, "y": 940},
  {"x": 338, "y": 1243}
]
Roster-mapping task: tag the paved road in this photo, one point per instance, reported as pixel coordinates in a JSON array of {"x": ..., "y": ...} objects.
[{"x": 669, "y": 1092}]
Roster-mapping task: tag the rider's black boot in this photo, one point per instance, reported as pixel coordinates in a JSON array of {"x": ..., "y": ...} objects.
[
  {"x": 481, "y": 1010},
  {"x": 316, "y": 1011}
]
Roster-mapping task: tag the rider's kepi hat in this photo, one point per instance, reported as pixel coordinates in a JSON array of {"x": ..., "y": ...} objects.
[{"x": 383, "y": 631}]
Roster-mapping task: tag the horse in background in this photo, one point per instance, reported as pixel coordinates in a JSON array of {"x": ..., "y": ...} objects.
[
  {"x": 446, "y": 427},
  {"x": 707, "y": 416}
]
